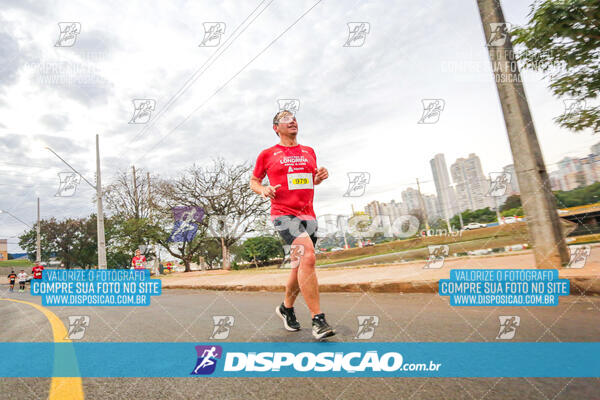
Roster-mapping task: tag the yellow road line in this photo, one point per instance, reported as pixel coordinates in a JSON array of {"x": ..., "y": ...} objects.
[{"x": 67, "y": 388}]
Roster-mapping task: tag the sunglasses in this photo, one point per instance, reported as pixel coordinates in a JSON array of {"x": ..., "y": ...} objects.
[{"x": 286, "y": 119}]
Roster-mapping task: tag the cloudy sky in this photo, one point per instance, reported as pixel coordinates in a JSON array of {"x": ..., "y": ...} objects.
[{"x": 359, "y": 106}]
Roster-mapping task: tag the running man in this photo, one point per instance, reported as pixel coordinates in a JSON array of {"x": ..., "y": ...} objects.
[
  {"x": 22, "y": 278},
  {"x": 11, "y": 280},
  {"x": 139, "y": 261},
  {"x": 37, "y": 271},
  {"x": 292, "y": 172}
]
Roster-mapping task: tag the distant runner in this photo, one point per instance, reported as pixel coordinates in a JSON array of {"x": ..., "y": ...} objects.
[
  {"x": 292, "y": 172},
  {"x": 22, "y": 278},
  {"x": 37, "y": 271},
  {"x": 139, "y": 261},
  {"x": 11, "y": 279}
]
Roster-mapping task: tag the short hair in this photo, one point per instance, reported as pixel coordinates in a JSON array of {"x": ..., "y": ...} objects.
[{"x": 280, "y": 114}]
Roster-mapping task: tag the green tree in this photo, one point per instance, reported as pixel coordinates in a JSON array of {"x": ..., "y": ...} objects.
[
  {"x": 578, "y": 197},
  {"x": 562, "y": 40},
  {"x": 131, "y": 208},
  {"x": 231, "y": 208},
  {"x": 73, "y": 241},
  {"x": 512, "y": 212},
  {"x": 513, "y": 201},
  {"x": 261, "y": 248},
  {"x": 482, "y": 215}
]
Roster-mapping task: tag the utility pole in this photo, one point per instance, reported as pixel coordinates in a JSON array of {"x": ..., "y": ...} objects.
[
  {"x": 135, "y": 194},
  {"x": 497, "y": 209},
  {"x": 152, "y": 245},
  {"x": 422, "y": 204},
  {"x": 38, "y": 251},
  {"x": 539, "y": 205},
  {"x": 100, "y": 216}
]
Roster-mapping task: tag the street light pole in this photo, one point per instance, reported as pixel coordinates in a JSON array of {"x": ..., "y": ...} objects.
[
  {"x": 539, "y": 205},
  {"x": 100, "y": 216},
  {"x": 38, "y": 252}
]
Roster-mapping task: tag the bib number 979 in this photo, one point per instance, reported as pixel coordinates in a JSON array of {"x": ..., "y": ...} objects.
[{"x": 300, "y": 181}]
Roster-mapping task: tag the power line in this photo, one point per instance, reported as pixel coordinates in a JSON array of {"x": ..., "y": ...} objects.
[
  {"x": 232, "y": 78},
  {"x": 196, "y": 75},
  {"x": 23, "y": 165}
]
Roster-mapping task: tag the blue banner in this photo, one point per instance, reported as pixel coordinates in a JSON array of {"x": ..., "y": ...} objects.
[
  {"x": 98, "y": 287},
  {"x": 504, "y": 287},
  {"x": 299, "y": 359}
]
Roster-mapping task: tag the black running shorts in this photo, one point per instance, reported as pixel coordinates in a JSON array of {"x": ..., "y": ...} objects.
[{"x": 290, "y": 227}]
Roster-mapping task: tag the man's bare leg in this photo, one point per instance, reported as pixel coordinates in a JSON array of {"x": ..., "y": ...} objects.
[
  {"x": 306, "y": 275},
  {"x": 291, "y": 288}
]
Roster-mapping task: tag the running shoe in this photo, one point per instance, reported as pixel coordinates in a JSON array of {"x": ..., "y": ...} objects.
[
  {"x": 320, "y": 327},
  {"x": 289, "y": 318}
]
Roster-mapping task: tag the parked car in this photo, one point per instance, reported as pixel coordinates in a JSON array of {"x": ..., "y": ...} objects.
[
  {"x": 474, "y": 225},
  {"x": 516, "y": 247},
  {"x": 479, "y": 252}
]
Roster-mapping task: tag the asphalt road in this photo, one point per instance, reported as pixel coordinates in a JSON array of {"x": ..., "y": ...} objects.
[{"x": 186, "y": 316}]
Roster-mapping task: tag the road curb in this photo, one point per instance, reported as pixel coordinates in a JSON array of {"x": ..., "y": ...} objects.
[{"x": 585, "y": 285}]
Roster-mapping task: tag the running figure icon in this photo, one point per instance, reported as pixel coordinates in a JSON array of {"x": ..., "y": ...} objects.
[{"x": 208, "y": 357}]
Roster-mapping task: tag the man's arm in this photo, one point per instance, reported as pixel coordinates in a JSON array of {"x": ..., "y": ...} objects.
[
  {"x": 265, "y": 191},
  {"x": 256, "y": 185},
  {"x": 321, "y": 175}
]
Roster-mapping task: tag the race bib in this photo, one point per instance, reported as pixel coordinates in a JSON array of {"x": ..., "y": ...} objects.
[{"x": 300, "y": 181}]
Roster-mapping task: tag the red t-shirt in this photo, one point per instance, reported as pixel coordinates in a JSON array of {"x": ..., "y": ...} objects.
[
  {"x": 138, "y": 262},
  {"x": 293, "y": 168},
  {"x": 37, "y": 272}
]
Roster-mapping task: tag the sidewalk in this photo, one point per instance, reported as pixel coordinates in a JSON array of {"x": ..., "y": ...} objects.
[{"x": 409, "y": 277}]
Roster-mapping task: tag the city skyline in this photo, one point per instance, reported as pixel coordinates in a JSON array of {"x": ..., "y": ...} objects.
[{"x": 572, "y": 172}]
